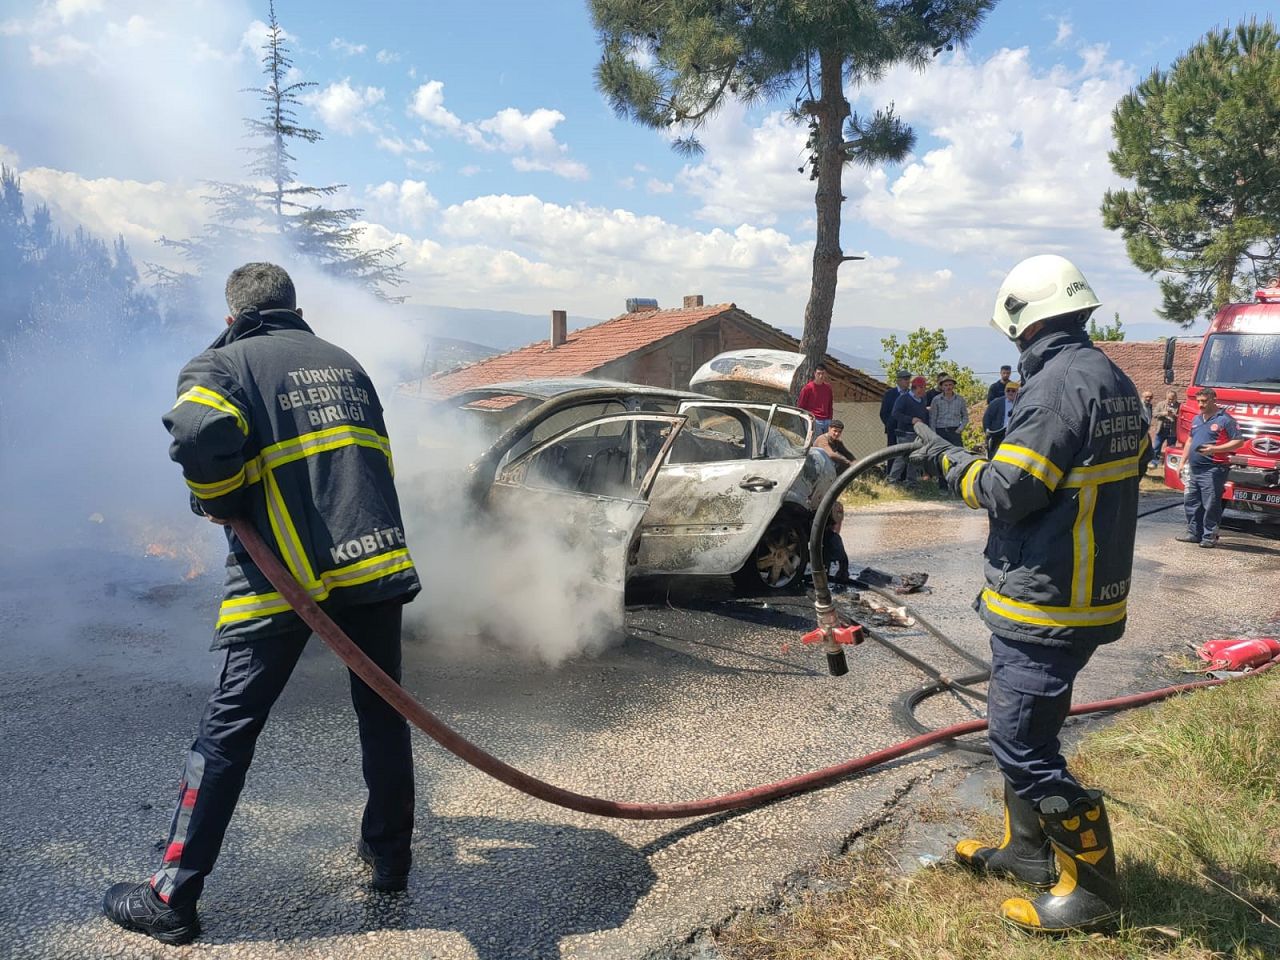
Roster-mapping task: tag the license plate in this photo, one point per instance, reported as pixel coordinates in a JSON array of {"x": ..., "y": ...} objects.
[{"x": 1257, "y": 496}]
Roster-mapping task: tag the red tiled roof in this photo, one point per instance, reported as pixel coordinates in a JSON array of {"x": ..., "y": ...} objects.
[
  {"x": 1143, "y": 361},
  {"x": 589, "y": 349},
  {"x": 585, "y": 350}
]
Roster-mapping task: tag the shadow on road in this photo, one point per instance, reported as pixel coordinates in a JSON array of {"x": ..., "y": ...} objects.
[{"x": 475, "y": 876}]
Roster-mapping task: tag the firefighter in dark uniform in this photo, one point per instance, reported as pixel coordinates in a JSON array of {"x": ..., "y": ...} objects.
[
  {"x": 278, "y": 426},
  {"x": 1061, "y": 494}
]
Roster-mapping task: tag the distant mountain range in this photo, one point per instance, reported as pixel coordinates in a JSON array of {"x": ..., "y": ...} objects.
[{"x": 470, "y": 333}]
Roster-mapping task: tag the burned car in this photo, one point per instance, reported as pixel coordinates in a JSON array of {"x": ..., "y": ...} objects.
[{"x": 658, "y": 481}]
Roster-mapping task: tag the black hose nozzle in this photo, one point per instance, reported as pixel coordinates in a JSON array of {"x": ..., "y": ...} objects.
[{"x": 837, "y": 665}]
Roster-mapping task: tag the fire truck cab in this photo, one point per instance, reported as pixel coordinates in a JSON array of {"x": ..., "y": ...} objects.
[{"x": 1240, "y": 358}]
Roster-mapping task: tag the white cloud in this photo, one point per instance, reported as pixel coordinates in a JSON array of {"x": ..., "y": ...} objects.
[
  {"x": 627, "y": 183},
  {"x": 343, "y": 107},
  {"x": 428, "y": 106},
  {"x": 470, "y": 170},
  {"x": 749, "y": 174},
  {"x": 346, "y": 47},
  {"x": 399, "y": 146},
  {"x": 107, "y": 207},
  {"x": 405, "y": 204},
  {"x": 136, "y": 31},
  {"x": 529, "y": 137},
  {"x": 1064, "y": 32},
  {"x": 386, "y": 56},
  {"x": 59, "y": 50},
  {"x": 68, "y": 10},
  {"x": 1021, "y": 157},
  {"x": 655, "y": 185}
]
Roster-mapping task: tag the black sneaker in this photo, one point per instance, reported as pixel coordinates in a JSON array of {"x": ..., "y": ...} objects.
[
  {"x": 135, "y": 906},
  {"x": 1187, "y": 538},
  {"x": 389, "y": 876}
]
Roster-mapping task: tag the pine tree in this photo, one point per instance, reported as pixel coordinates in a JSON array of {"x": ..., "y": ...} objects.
[
  {"x": 72, "y": 291},
  {"x": 670, "y": 65},
  {"x": 1201, "y": 143},
  {"x": 275, "y": 204}
]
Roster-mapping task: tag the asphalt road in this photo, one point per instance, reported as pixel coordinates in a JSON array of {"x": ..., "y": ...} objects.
[{"x": 102, "y": 687}]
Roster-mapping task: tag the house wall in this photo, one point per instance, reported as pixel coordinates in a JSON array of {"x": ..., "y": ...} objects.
[
  {"x": 1143, "y": 361},
  {"x": 863, "y": 431},
  {"x": 672, "y": 363}
]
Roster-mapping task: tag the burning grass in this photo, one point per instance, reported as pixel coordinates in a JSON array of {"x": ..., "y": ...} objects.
[{"x": 1194, "y": 796}]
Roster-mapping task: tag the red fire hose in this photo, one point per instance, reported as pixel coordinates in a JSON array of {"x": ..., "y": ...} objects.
[{"x": 455, "y": 743}]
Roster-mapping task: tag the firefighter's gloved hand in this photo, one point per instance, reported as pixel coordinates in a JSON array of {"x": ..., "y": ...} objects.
[{"x": 929, "y": 446}]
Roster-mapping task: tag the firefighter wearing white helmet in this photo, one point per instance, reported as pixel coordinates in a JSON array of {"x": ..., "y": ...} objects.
[{"x": 1061, "y": 495}]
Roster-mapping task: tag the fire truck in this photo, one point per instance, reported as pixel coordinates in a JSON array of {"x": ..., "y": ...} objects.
[{"x": 1240, "y": 358}]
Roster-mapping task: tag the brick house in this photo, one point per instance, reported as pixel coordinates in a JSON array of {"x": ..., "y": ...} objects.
[
  {"x": 661, "y": 348},
  {"x": 1143, "y": 361}
]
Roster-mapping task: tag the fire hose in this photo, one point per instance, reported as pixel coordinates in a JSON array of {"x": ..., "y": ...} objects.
[{"x": 422, "y": 718}]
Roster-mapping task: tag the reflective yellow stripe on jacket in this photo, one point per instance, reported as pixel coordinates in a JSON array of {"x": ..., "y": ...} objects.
[
  {"x": 967, "y": 492},
  {"x": 287, "y": 451},
  {"x": 1029, "y": 461},
  {"x": 239, "y": 609},
  {"x": 210, "y": 398},
  {"x": 1084, "y": 547},
  {"x": 1051, "y": 616}
]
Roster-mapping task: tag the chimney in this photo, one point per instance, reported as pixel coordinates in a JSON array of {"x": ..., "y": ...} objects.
[
  {"x": 694, "y": 300},
  {"x": 559, "y": 328}
]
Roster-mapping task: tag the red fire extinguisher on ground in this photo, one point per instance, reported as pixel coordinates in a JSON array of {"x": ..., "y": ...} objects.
[{"x": 1239, "y": 653}]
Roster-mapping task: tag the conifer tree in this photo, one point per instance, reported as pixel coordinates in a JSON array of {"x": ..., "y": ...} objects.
[
  {"x": 274, "y": 203},
  {"x": 670, "y": 64},
  {"x": 1201, "y": 143}
]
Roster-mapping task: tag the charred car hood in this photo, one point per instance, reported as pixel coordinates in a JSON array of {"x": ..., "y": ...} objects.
[{"x": 755, "y": 375}]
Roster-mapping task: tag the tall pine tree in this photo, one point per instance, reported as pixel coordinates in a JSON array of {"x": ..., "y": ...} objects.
[
  {"x": 275, "y": 206},
  {"x": 670, "y": 64},
  {"x": 1201, "y": 144}
]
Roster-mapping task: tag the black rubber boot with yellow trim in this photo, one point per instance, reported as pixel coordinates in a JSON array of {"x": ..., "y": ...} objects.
[
  {"x": 1086, "y": 895},
  {"x": 1024, "y": 854}
]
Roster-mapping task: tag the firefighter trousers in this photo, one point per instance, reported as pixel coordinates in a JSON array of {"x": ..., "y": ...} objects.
[
  {"x": 253, "y": 676},
  {"x": 1027, "y": 703}
]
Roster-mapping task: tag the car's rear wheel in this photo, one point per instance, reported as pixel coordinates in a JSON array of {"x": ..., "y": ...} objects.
[{"x": 778, "y": 561}]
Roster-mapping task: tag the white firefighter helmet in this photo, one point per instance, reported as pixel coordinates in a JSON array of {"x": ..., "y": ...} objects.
[{"x": 1039, "y": 288}]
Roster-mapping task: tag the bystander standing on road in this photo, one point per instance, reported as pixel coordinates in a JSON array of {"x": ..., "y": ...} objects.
[
  {"x": 1214, "y": 434},
  {"x": 948, "y": 414},
  {"x": 997, "y": 387},
  {"x": 816, "y": 397},
  {"x": 996, "y": 417},
  {"x": 246, "y": 439},
  {"x": 907, "y": 412},
  {"x": 887, "y": 402},
  {"x": 1166, "y": 423},
  {"x": 831, "y": 444}
]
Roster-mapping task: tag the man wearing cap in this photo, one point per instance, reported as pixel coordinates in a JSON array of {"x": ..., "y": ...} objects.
[
  {"x": 908, "y": 410},
  {"x": 995, "y": 419},
  {"x": 948, "y": 415},
  {"x": 1214, "y": 434},
  {"x": 1061, "y": 495},
  {"x": 886, "y": 406}
]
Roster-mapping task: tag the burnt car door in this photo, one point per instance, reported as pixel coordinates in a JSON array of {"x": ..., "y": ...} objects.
[
  {"x": 587, "y": 487},
  {"x": 734, "y": 470}
]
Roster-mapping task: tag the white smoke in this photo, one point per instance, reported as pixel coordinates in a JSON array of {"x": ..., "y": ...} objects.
[{"x": 84, "y": 469}]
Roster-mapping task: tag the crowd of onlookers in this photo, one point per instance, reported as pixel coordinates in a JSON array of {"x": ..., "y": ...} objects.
[{"x": 941, "y": 407}]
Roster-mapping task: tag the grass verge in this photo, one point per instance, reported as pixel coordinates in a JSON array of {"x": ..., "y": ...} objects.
[{"x": 1193, "y": 791}]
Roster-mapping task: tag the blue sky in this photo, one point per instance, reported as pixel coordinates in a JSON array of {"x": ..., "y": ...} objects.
[{"x": 474, "y": 137}]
